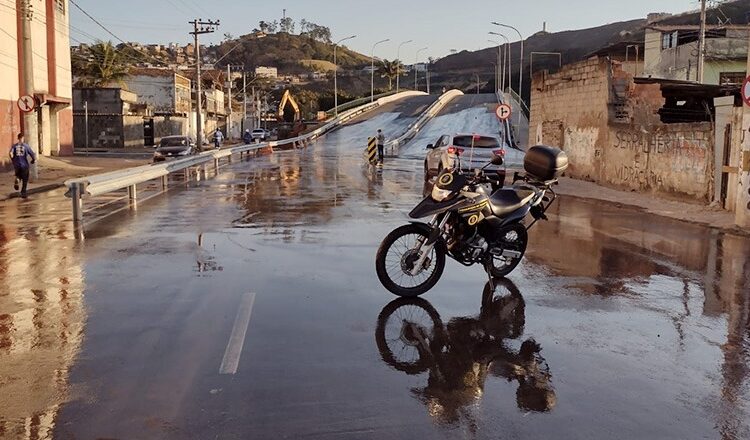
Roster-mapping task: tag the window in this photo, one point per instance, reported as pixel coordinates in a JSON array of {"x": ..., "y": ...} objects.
[
  {"x": 60, "y": 4},
  {"x": 668, "y": 40},
  {"x": 731, "y": 77}
]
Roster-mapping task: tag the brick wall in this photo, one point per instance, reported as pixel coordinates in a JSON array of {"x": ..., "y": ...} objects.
[{"x": 610, "y": 129}]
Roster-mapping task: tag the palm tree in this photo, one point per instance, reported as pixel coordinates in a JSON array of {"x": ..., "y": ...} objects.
[
  {"x": 102, "y": 65},
  {"x": 390, "y": 70}
]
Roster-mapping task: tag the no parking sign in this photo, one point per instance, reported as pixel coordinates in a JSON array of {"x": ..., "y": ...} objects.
[{"x": 746, "y": 91}]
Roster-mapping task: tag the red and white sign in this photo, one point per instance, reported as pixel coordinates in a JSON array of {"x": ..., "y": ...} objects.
[
  {"x": 26, "y": 103},
  {"x": 746, "y": 91},
  {"x": 503, "y": 111}
]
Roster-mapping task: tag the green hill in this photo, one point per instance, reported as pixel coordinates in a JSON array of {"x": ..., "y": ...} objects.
[{"x": 285, "y": 52}]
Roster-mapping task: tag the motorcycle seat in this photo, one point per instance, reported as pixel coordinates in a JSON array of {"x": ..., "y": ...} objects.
[{"x": 505, "y": 201}]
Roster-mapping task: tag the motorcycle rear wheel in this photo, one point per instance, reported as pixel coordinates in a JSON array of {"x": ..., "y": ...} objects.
[
  {"x": 515, "y": 238},
  {"x": 397, "y": 253}
]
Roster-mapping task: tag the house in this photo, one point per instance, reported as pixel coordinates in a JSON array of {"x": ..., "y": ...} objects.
[
  {"x": 671, "y": 50},
  {"x": 49, "y": 126},
  {"x": 107, "y": 118},
  {"x": 266, "y": 72},
  {"x": 165, "y": 91}
]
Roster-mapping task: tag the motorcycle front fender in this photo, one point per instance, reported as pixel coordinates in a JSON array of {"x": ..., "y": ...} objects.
[
  {"x": 429, "y": 207},
  {"x": 433, "y": 236}
]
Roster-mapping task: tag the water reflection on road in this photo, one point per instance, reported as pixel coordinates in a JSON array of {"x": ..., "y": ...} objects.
[{"x": 42, "y": 317}]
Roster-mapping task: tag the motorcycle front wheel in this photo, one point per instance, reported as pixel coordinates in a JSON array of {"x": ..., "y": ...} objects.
[{"x": 396, "y": 259}]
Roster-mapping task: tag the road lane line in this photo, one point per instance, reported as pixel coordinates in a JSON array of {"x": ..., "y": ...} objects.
[{"x": 237, "y": 339}]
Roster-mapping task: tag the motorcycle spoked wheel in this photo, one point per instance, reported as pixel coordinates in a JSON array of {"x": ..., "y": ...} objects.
[
  {"x": 396, "y": 258},
  {"x": 408, "y": 331},
  {"x": 514, "y": 237}
]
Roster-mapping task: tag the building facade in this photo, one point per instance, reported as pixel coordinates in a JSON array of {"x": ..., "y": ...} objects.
[
  {"x": 49, "y": 72},
  {"x": 266, "y": 72},
  {"x": 671, "y": 52}
]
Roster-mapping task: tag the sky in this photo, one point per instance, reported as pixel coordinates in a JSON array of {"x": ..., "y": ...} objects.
[{"x": 439, "y": 25}]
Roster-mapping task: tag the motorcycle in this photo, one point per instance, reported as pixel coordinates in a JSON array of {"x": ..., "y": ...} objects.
[
  {"x": 472, "y": 221},
  {"x": 460, "y": 356}
]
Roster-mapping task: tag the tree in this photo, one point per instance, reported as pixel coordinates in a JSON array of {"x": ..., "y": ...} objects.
[
  {"x": 391, "y": 70},
  {"x": 102, "y": 65},
  {"x": 264, "y": 27},
  {"x": 287, "y": 25},
  {"x": 273, "y": 27},
  {"x": 228, "y": 37}
]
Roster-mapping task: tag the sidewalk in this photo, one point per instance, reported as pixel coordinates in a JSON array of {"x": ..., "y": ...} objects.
[
  {"x": 53, "y": 171},
  {"x": 652, "y": 204}
]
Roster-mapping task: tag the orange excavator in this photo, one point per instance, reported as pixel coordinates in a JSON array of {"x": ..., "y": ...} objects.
[
  {"x": 284, "y": 116},
  {"x": 290, "y": 118}
]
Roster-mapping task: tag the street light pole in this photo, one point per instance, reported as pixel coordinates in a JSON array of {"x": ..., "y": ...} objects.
[
  {"x": 372, "y": 68},
  {"x": 506, "y": 60},
  {"x": 398, "y": 64},
  {"x": 520, "y": 68},
  {"x": 499, "y": 65},
  {"x": 416, "y": 58},
  {"x": 335, "y": 75}
]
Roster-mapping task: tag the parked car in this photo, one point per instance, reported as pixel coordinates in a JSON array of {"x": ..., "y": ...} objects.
[
  {"x": 449, "y": 150},
  {"x": 174, "y": 146},
  {"x": 259, "y": 134}
]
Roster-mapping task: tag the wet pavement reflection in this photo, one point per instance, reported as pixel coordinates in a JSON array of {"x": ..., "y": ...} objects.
[{"x": 617, "y": 325}]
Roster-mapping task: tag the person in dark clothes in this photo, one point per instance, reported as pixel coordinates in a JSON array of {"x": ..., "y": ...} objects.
[
  {"x": 381, "y": 145},
  {"x": 20, "y": 153}
]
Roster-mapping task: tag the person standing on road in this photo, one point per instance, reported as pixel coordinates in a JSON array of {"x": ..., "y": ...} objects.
[
  {"x": 247, "y": 137},
  {"x": 19, "y": 154},
  {"x": 381, "y": 145},
  {"x": 218, "y": 138}
]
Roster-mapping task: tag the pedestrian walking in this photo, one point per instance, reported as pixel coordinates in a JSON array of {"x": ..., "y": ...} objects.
[
  {"x": 218, "y": 138},
  {"x": 247, "y": 137},
  {"x": 381, "y": 145},
  {"x": 20, "y": 153}
]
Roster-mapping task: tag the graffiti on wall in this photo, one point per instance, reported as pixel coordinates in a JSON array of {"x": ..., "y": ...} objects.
[{"x": 661, "y": 155}]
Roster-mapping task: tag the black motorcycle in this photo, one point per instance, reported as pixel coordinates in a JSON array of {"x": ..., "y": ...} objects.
[
  {"x": 473, "y": 222},
  {"x": 461, "y": 355}
]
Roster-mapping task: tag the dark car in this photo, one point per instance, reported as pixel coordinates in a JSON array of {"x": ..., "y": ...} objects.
[{"x": 174, "y": 146}]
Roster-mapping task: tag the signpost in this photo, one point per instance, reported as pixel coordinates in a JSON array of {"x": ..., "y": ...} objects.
[
  {"x": 372, "y": 150},
  {"x": 503, "y": 112},
  {"x": 746, "y": 91},
  {"x": 26, "y": 103}
]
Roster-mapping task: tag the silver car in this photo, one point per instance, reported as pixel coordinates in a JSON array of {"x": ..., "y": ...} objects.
[{"x": 471, "y": 151}]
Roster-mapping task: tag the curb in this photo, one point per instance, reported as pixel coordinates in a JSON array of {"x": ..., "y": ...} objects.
[{"x": 36, "y": 190}]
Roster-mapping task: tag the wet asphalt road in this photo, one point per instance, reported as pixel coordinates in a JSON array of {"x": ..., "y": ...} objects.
[{"x": 617, "y": 325}]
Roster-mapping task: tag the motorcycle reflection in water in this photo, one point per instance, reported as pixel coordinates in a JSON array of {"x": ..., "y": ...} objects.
[{"x": 412, "y": 338}]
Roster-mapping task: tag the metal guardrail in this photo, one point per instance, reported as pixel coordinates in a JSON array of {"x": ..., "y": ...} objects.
[
  {"x": 104, "y": 183},
  {"x": 424, "y": 118},
  {"x": 358, "y": 102}
]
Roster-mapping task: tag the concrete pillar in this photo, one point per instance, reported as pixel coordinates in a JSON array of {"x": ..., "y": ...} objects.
[
  {"x": 132, "y": 193},
  {"x": 742, "y": 210},
  {"x": 54, "y": 131},
  {"x": 44, "y": 131}
]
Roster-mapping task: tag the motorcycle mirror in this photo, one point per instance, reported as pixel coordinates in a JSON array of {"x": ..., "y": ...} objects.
[{"x": 497, "y": 160}]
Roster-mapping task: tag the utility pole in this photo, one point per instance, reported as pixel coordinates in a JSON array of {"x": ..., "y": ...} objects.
[
  {"x": 742, "y": 215},
  {"x": 229, "y": 94},
  {"x": 702, "y": 42},
  {"x": 200, "y": 27},
  {"x": 30, "y": 123},
  {"x": 244, "y": 97}
]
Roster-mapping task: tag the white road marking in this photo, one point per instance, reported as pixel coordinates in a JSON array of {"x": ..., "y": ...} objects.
[{"x": 237, "y": 339}]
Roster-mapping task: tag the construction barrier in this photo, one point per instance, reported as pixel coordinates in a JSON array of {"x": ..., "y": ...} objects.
[{"x": 371, "y": 152}]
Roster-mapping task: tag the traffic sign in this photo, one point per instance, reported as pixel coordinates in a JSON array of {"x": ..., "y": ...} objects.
[
  {"x": 503, "y": 111},
  {"x": 26, "y": 103},
  {"x": 746, "y": 91}
]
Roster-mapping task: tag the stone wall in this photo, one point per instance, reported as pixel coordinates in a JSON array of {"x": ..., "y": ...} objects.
[{"x": 610, "y": 129}]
